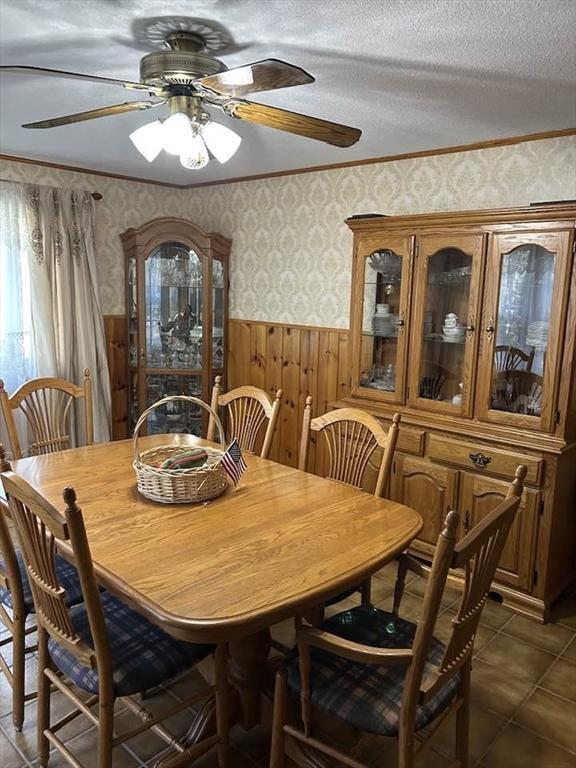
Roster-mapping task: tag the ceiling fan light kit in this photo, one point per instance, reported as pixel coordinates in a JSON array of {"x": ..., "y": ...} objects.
[{"x": 187, "y": 78}]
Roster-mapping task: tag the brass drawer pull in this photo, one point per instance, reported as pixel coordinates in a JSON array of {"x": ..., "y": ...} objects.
[{"x": 479, "y": 460}]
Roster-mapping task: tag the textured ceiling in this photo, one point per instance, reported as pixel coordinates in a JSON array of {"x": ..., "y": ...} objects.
[{"x": 412, "y": 74}]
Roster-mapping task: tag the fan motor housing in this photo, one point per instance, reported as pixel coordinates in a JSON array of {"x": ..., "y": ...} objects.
[{"x": 178, "y": 67}]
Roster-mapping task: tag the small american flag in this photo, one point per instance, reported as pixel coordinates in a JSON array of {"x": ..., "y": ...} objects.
[{"x": 233, "y": 463}]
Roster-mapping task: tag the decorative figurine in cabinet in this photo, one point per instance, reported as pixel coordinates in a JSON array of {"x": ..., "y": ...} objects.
[
  {"x": 466, "y": 324},
  {"x": 177, "y": 310}
]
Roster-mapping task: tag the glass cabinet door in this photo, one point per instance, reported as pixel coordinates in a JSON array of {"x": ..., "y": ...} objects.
[
  {"x": 171, "y": 355},
  {"x": 173, "y": 313},
  {"x": 445, "y": 310},
  {"x": 380, "y": 314},
  {"x": 218, "y": 299},
  {"x": 525, "y": 291}
]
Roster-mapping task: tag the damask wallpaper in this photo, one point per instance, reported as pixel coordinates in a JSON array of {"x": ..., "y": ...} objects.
[{"x": 291, "y": 253}]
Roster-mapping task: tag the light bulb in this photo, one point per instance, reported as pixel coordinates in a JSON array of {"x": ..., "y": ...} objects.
[
  {"x": 177, "y": 134},
  {"x": 237, "y": 76},
  {"x": 149, "y": 139},
  {"x": 195, "y": 155},
  {"x": 220, "y": 140}
]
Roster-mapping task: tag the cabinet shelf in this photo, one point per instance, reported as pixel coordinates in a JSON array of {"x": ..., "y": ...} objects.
[{"x": 434, "y": 339}]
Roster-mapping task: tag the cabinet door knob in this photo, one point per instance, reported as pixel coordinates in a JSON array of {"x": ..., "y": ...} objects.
[
  {"x": 479, "y": 460},
  {"x": 400, "y": 323},
  {"x": 490, "y": 328},
  {"x": 470, "y": 328}
]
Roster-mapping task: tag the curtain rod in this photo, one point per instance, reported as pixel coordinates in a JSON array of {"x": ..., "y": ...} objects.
[{"x": 95, "y": 195}]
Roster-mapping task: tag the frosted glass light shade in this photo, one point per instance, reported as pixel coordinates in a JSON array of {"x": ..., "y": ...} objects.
[
  {"x": 149, "y": 139},
  {"x": 177, "y": 134},
  {"x": 220, "y": 140},
  {"x": 196, "y": 155}
]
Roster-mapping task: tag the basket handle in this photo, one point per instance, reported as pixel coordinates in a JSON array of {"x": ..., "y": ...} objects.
[{"x": 188, "y": 399}]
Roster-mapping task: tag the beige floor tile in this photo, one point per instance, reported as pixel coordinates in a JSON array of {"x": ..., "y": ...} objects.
[
  {"x": 561, "y": 679},
  {"x": 381, "y": 593},
  {"x": 550, "y": 637},
  {"x": 516, "y": 657},
  {"x": 519, "y": 748},
  {"x": 496, "y": 690},
  {"x": 59, "y": 707},
  {"x": 148, "y": 744},
  {"x": 550, "y": 716},
  {"x": 570, "y": 652},
  {"x": 484, "y": 727},
  {"x": 493, "y": 614},
  {"x": 564, "y": 611},
  {"x": 410, "y": 607},
  {"x": 188, "y": 684},
  {"x": 9, "y": 757},
  {"x": 389, "y": 573},
  {"x": 443, "y": 631},
  {"x": 6, "y": 690},
  {"x": 450, "y": 595},
  {"x": 84, "y": 749}
]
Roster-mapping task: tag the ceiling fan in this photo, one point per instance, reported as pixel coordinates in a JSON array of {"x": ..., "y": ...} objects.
[{"x": 187, "y": 78}]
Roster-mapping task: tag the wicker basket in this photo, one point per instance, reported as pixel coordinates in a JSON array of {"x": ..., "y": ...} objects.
[{"x": 178, "y": 486}]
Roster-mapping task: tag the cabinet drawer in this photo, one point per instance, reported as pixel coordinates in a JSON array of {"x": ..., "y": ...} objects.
[
  {"x": 493, "y": 461},
  {"x": 409, "y": 440}
]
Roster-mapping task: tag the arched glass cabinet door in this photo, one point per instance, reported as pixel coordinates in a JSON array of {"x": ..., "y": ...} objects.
[
  {"x": 173, "y": 349},
  {"x": 177, "y": 307},
  {"x": 380, "y": 317},
  {"x": 522, "y": 329},
  {"x": 445, "y": 309}
]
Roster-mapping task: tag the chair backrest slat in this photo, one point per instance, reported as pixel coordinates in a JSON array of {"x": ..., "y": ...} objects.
[
  {"x": 351, "y": 437},
  {"x": 45, "y": 404},
  {"x": 249, "y": 411},
  {"x": 477, "y": 554},
  {"x": 40, "y": 528}
]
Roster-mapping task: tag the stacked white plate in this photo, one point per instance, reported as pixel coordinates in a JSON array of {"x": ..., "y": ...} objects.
[
  {"x": 384, "y": 325},
  {"x": 537, "y": 334}
]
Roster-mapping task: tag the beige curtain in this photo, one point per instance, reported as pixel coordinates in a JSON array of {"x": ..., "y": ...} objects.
[{"x": 67, "y": 323}]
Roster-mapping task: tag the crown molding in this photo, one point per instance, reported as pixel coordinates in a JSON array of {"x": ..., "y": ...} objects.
[{"x": 489, "y": 144}]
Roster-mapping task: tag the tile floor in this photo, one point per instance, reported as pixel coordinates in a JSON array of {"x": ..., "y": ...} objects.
[{"x": 523, "y": 700}]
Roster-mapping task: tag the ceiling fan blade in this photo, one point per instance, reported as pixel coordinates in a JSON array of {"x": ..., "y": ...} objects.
[
  {"x": 265, "y": 75},
  {"x": 294, "y": 122},
  {"x": 91, "y": 114},
  {"x": 79, "y": 76}
]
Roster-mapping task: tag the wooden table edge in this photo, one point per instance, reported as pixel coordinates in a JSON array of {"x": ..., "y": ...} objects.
[{"x": 215, "y": 630}]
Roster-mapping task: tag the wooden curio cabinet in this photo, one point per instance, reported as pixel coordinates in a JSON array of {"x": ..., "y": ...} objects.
[
  {"x": 465, "y": 323},
  {"x": 177, "y": 312}
]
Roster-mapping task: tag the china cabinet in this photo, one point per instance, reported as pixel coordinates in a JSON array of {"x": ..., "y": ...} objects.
[
  {"x": 466, "y": 324},
  {"x": 177, "y": 309}
]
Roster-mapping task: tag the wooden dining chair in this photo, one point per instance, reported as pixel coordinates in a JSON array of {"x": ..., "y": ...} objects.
[
  {"x": 508, "y": 358},
  {"x": 101, "y": 647},
  {"x": 351, "y": 437},
  {"x": 385, "y": 675},
  {"x": 17, "y": 604},
  {"x": 46, "y": 404},
  {"x": 249, "y": 410}
]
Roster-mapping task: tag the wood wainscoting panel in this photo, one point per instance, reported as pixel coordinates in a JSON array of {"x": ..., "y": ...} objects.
[
  {"x": 301, "y": 360},
  {"x": 115, "y": 331}
]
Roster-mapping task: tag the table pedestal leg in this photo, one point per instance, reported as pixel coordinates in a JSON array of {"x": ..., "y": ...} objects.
[{"x": 249, "y": 673}]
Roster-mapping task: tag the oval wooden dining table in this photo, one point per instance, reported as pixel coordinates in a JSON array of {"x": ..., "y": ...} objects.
[{"x": 279, "y": 543}]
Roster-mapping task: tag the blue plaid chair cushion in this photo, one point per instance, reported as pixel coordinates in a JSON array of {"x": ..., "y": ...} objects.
[
  {"x": 143, "y": 656},
  {"x": 67, "y": 576},
  {"x": 366, "y": 696}
]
